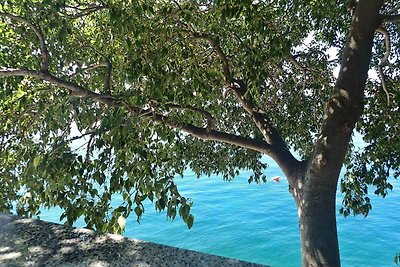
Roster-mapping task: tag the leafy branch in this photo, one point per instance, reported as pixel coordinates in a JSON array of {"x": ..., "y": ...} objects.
[
  {"x": 75, "y": 12},
  {"x": 43, "y": 47},
  {"x": 301, "y": 68},
  {"x": 109, "y": 100},
  {"x": 279, "y": 151},
  {"x": 211, "y": 121},
  {"x": 217, "y": 48}
]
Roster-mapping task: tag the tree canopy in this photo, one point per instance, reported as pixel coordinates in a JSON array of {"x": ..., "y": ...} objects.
[{"x": 119, "y": 97}]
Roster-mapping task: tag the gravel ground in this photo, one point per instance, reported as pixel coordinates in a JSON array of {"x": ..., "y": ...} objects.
[{"x": 29, "y": 242}]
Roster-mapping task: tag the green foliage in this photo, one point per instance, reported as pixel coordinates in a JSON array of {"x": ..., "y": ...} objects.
[
  {"x": 60, "y": 150},
  {"x": 372, "y": 167}
]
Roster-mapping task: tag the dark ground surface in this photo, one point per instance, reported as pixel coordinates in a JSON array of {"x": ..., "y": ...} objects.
[{"x": 28, "y": 242}]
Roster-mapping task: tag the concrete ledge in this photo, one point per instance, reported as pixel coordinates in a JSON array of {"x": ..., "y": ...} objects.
[{"x": 28, "y": 242}]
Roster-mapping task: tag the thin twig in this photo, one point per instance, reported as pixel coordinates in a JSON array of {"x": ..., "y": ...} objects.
[
  {"x": 83, "y": 12},
  {"x": 107, "y": 77},
  {"x": 89, "y": 68},
  {"x": 82, "y": 135},
  {"x": 301, "y": 68},
  {"x": 88, "y": 148}
]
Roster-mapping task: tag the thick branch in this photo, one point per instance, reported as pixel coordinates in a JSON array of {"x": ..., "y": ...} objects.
[
  {"x": 213, "y": 135},
  {"x": 345, "y": 106},
  {"x": 202, "y": 133},
  {"x": 279, "y": 151},
  {"x": 239, "y": 88},
  {"x": 384, "y": 60},
  {"x": 39, "y": 34}
]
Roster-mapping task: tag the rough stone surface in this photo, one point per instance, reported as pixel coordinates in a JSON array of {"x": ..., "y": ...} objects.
[{"x": 28, "y": 242}]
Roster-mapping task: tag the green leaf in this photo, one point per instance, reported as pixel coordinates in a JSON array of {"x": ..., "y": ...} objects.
[
  {"x": 36, "y": 161},
  {"x": 190, "y": 221},
  {"x": 138, "y": 212}
]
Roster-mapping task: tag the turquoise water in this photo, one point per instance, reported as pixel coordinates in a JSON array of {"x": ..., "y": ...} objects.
[{"x": 258, "y": 223}]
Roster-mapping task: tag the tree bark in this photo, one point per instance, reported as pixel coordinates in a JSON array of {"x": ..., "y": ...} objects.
[
  {"x": 316, "y": 208},
  {"x": 318, "y": 232}
]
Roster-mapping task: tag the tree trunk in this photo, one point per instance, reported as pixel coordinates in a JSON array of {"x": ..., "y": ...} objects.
[
  {"x": 314, "y": 186},
  {"x": 317, "y": 222},
  {"x": 315, "y": 197}
]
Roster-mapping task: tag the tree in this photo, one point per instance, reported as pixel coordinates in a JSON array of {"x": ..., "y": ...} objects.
[{"x": 155, "y": 87}]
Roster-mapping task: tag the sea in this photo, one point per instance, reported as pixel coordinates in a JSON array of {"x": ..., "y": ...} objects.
[{"x": 258, "y": 223}]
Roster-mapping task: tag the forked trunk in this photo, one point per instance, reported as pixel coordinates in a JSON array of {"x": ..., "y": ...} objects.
[{"x": 315, "y": 189}]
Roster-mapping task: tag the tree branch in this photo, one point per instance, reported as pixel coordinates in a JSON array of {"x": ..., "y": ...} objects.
[
  {"x": 88, "y": 68},
  {"x": 299, "y": 67},
  {"x": 391, "y": 18},
  {"x": 259, "y": 117},
  {"x": 239, "y": 88},
  {"x": 95, "y": 66},
  {"x": 217, "y": 48},
  {"x": 107, "y": 64},
  {"x": 211, "y": 121},
  {"x": 384, "y": 60},
  {"x": 43, "y": 47},
  {"x": 205, "y": 134},
  {"x": 75, "y": 89},
  {"x": 278, "y": 148},
  {"x": 202, "y": 133},
  {"x": 82, "y": 135},
  {"x": 83, "y": 12},
  {"x": 274, "y": 147},
  {"x": 107, "y": 77},
  {"x": 213, "y": 135}
]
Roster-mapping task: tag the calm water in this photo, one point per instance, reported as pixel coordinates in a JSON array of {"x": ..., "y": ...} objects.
[{"x": 258, "y": 223}]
